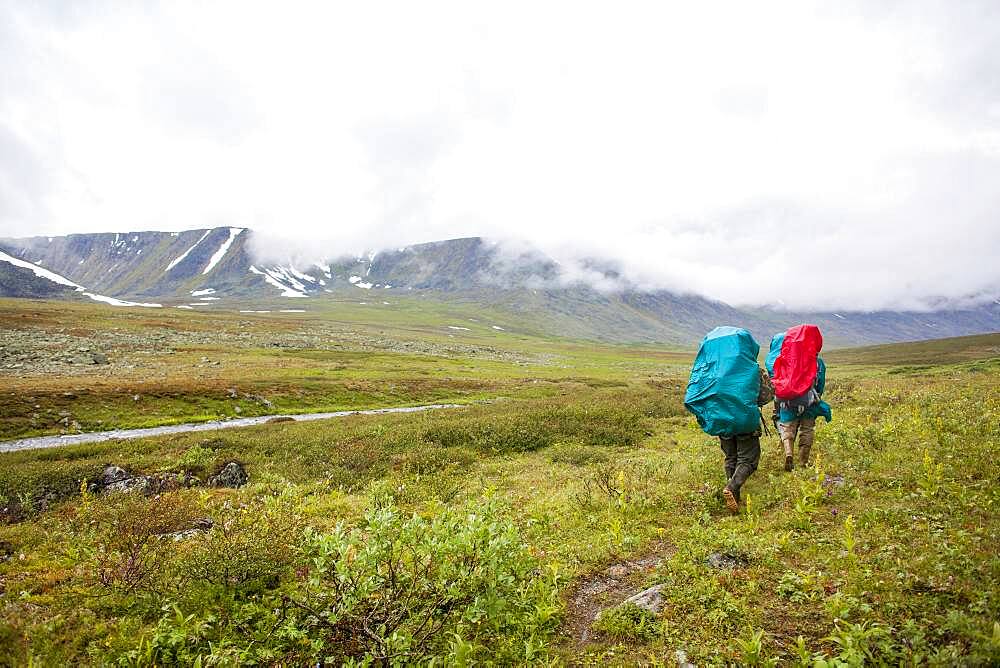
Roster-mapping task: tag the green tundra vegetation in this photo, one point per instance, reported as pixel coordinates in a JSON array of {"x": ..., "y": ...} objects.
[{"x": 507, "y": 531}]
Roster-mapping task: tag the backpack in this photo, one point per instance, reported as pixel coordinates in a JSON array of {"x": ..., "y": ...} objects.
[
  {"x": 723, "y": 388},
  {"x": 794, "y": 368}
]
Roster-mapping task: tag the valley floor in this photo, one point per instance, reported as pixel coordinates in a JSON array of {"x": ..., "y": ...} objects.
[{"x": 493, "y": 532}]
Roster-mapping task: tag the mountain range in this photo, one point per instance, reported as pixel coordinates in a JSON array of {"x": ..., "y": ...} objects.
[{"x": 218, "y": 269}]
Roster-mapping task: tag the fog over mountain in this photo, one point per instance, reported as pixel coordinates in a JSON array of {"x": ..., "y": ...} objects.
[{"x": 811, "y": 155}]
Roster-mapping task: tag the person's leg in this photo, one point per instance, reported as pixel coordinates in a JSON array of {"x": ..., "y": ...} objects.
[
  {"x": 787, "y": 431},
  {"x": 807, "y": 431},
  {"x": 748, "y": 457},
  {"x": 730, "y": 450}
]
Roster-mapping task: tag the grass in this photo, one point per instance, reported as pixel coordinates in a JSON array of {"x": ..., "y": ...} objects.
[{"x": 884, "y": 552}]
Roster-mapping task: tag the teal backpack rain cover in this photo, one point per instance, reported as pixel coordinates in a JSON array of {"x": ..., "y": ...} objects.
[{"x": 722, "y": 389}]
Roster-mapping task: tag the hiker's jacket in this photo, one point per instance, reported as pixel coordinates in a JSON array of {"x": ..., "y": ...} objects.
[{"x": 816, "y": 410}]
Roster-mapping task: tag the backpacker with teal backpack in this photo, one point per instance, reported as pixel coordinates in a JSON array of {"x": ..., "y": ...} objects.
[{"x": 725, "y": 379}]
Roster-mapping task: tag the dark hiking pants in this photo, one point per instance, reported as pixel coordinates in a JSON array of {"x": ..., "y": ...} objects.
[{"x": 742, "y": 456}]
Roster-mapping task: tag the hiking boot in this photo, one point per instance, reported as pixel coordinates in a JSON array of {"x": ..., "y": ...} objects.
[
  {"x": 804, "y": 455},
  {"x": 731, "y": 502},
  {"x": 789, "y": 463}
]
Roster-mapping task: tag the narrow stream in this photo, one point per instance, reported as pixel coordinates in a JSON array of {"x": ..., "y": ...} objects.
[{"x": 98, "y": 436}]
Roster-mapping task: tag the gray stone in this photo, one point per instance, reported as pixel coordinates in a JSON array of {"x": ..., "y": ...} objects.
[
  {"x": 199, "y": 526},
  {"x": 682, "y": 659},
  {"x": 724, "y": 561},
  {"x": 140, "y": 484},
  {"x": 112, "y": 474},
  {"x": 98, "y": 358},
  {"x": 233, "y": 474},
  {"x": 650, "y": 599}
]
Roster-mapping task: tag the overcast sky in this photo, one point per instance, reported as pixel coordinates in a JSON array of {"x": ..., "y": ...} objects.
[{"x": 838, "y": 154}]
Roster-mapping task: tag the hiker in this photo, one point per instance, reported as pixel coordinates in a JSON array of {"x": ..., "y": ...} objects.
[
  {"x": 725, "y": 392},
  {"x": 799, "y": 377}
]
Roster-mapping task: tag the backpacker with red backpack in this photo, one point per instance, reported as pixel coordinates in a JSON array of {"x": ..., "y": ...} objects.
[{"x": 796, "y": 367}]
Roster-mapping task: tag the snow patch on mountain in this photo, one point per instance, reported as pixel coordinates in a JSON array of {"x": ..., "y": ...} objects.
[
  {"x": 120, "y": 302},
  {"x": 40, "y": 272},
  {"x": 285, "y": 290},
  {"x": 185, "y": 253},
  {"x": 298, "y": 274},
  {"x": 223, "y": 249}
]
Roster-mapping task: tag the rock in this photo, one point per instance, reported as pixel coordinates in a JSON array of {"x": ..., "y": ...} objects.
[
  {"x": 682, "y": 659},
  {"x": 650, "y": 599},
  {"x": 140, "y": 484},
  {"x": 98, "y": 358},
  {"x": 179, "y": 536},
  {"x": 199, "y": 526},
  {"x": 724, "y": 561},
  {"x": 232, "y": 392},
  {"x": 237, "y": 410},
  {"x": 166, "y": 482},
  {"x": 233, "y": 474},
  {"x": 112, "y": 474}
]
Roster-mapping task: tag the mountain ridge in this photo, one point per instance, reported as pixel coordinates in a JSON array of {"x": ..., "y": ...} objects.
[{"x": 217, "y": 268}]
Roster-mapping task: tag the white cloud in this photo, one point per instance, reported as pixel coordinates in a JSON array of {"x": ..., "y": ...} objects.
[{"x": 844, "y": 156}]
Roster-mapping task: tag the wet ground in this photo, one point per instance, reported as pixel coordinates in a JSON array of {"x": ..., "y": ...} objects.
[{"x": 119, "y": 434}]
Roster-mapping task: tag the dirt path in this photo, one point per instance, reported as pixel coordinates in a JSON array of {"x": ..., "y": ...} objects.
[
  {"x": 98, "y": 436},
  {"x": 606, "y": 588}
]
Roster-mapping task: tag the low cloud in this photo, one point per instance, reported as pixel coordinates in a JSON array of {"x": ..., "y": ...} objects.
[{"x": 790, "y": 154}]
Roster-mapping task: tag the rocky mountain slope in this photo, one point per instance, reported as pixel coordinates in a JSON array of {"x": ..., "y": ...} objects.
[{"x": 215, "y": 268}]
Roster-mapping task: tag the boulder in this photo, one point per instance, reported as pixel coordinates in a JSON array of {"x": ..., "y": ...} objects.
[
  {"x": 724, "y": 561},
  {"x": 199, "y": 526},
  {"x": 115, "y": 479},
  {"x": 98, "y": 358},
  {"x": 112, "y": 474},
  {"x": 232, "y": 474},
  {"x": 141, "y": 484},
  {"x": 650, "y": 599}
]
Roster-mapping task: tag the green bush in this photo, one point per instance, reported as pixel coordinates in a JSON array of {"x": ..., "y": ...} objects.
[
  {"x": 576, "y": 454},
  {"x": 131, "y": 547},
  {"x": 405, "y": 589},
  {"x": 422, "y": 461},
  {"x": 627, "y": 622},
  {"x": 249, "y": 548}
]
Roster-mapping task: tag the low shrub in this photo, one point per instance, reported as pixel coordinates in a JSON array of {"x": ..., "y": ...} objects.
[
  {"x": 406, "y": 589},
  {"x": 132, "y": 546},
  {"x": 577, "y": 454},
  {"x": 627, "y": 622}
]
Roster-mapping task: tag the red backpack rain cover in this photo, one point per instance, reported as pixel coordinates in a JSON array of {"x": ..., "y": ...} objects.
[{"x": 795, "y": 368}]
